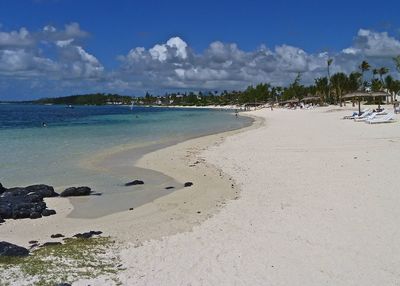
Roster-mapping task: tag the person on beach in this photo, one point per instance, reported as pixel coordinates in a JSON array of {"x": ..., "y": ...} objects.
[{"x": 396, "y": 106}]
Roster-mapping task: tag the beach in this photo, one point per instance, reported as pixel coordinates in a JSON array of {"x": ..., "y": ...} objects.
[
  {"x": 301, "y": 197},
  {"x": 318, "y": 205},
  {"x": 177, "y": 211}
]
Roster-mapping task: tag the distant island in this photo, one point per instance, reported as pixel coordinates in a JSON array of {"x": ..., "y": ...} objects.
[{"x": 87, "y": 99}]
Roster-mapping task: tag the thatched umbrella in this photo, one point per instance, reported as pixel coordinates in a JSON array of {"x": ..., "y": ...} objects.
[
  {"x": 380, "y": 94},
  {"x": 358, "y": 95},
  {"x": 293, "y": 100},
  {"x": 361, "y": 94},
  {"x": 310, "y": 98}
]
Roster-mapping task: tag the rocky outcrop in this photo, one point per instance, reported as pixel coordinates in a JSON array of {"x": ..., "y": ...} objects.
[
  {"x": 25, "y": 202},
  {"x": 76, "y": 191},
  {"x": 9, "y": 249}
]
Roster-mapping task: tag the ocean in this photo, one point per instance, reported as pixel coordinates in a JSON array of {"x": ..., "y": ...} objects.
[{"x": 53, "y": 144}]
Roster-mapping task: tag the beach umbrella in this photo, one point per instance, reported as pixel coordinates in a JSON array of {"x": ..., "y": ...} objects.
[
  {"x": 358, "y": 95},
  {"x": 379, "y": 94},
  {"x": 310, "y": 98},
  {"x": 293, "y": 100}
]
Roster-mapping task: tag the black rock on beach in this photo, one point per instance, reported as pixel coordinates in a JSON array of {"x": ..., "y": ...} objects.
[
  {"x": 25, "y": 202},
  {"x": 76, "y": 191},
  {"x": 134, "y": 183},
  {"x": 9, "y": 249}
]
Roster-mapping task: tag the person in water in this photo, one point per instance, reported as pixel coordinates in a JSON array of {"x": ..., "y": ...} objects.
[{"x": 44, "y": 124}]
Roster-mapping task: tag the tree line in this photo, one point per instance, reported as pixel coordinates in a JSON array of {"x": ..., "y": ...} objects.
[{"x": 330, "y": 89}]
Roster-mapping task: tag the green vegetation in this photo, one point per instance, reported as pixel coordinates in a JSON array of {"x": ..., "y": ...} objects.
[
  {"x": 330, "y": 89},
  {"x": 87, "y": 99},
  {"x": 76, "y": 258}
]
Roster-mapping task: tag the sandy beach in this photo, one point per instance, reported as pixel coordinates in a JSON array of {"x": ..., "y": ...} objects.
[
  {"x": 318, "y": 206},
  {"x": 300, "y": 198},
  {"x": 175, "y": 212}
]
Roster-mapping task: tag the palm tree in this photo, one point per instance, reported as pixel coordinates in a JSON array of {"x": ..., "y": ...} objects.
[
  {"x": 364, "y": 66},
  {"x": 397, "y": 62},
  {"x": 390, "y": 85},
  {"x": 375, "y": 72},
  {"x": 322, "y": 87},
  {"x": 339, "y": 82},
  {"x": 382, "y": 71},
  {"x": 329, "y": 63}
]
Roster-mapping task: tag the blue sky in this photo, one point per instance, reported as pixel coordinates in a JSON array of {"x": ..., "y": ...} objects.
[{"x": 104, "y": 34}]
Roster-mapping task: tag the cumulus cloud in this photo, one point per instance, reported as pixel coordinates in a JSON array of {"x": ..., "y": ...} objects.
[
  {"x": 174, "y": 64},
  {"x": 224, "y": 65},
  {"x": 21, "y": 38},
  {"x": 21, "y": 54}
]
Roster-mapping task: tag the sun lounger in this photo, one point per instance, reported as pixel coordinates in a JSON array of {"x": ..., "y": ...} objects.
[
  {"x": 371, "y": 116},
  {"x": 362, "y": 116},
  {"x": 356, "y": 114},
  {"x": 368, "y": 117},
  {"x": 382, "y": 119}
]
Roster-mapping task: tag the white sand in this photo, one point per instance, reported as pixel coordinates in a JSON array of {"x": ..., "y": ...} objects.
[
  {"x": 319, "y": 206},
  {"x": 167, "y": 215}
]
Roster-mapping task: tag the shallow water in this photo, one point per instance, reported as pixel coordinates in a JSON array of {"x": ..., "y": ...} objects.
[{"x": 56, "y": 154}]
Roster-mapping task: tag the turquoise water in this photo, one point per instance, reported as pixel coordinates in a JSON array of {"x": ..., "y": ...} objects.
[{"x": 55, "y": 154}]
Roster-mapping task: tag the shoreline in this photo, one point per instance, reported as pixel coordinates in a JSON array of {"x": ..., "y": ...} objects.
[
  {"x": 318, "y": 205},
  {"x": 181, "y": 206}
]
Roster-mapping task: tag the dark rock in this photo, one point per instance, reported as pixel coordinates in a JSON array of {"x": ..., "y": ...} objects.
[
  {"x": 35, "y": 215},
  {"x": 76, "y": 191},
  {"x": 21, "y": 213},
  {"x": 33, "y": 242},
  {"x": 169, "y": 188},
  {"x": 57, "y": 235},
  {"x": 51, "y": 243},
  {"x": 47, "y": 212},
  {"x": 2, "y": 189},
  {"x": 87, "y": 234},
  {"x": 131, "y": 209},
  {"x": 63, "y": 284},
  {"x": 2, "y": 220},
  {"x": 188, "y": 184},
  {"x": 43, "y": 190},
  {"x": 8, "y": 249},
  {"x": 26, "y": 202},
  {"x": 134, "y": 183}
]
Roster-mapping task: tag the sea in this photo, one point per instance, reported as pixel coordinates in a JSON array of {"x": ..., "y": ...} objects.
[{"x": 69, "y": 146}]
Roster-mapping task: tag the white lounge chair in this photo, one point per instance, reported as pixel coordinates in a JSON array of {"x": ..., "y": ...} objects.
[
  {"x": 382, "y": 119},
  {"x": 356, "y": 114},
  {"x": 371, "y": 116},
  {"x": 362, "y": 116}
]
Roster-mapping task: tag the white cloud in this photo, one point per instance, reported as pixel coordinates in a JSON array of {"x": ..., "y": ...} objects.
[
  {"x": 64, "y": 43},
  {"x": 21, "y": 38},
  {"x": 375, "y": 44},
  {"x": 59, "y": 55}
]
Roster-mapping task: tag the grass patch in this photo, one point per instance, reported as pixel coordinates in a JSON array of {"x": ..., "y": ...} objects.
[{"x": 76, "y": 258}]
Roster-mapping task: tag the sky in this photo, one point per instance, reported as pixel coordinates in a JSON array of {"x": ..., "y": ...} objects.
[{"x": 54, "y": 48}]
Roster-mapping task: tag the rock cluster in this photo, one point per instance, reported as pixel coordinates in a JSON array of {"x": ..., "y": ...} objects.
[{"x": 25, "y": 202}]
